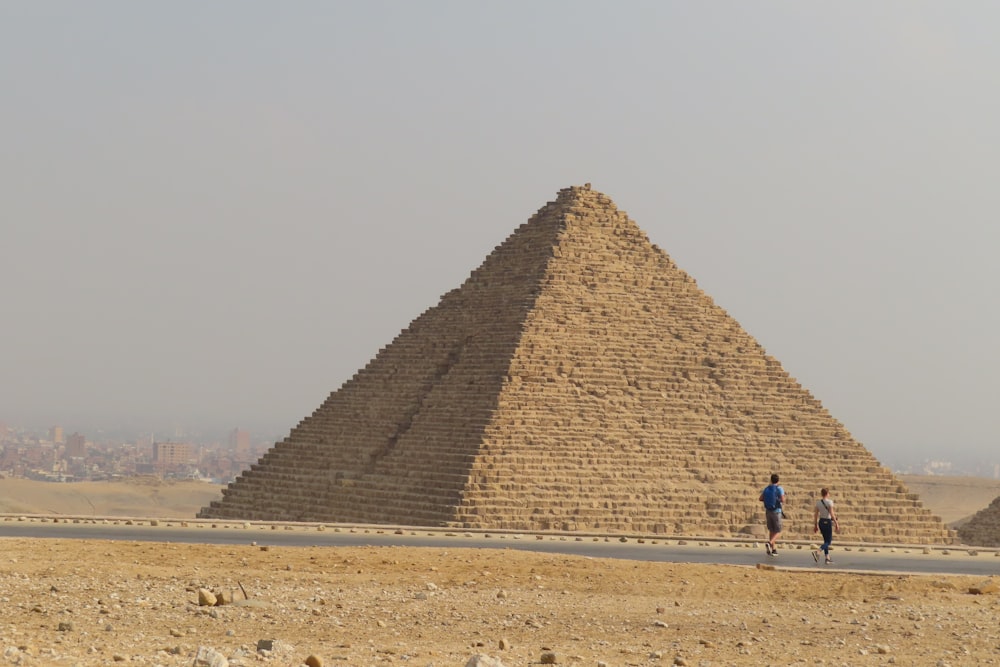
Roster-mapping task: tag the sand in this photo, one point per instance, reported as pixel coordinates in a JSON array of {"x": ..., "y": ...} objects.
[{"x": 134, "y": 496}]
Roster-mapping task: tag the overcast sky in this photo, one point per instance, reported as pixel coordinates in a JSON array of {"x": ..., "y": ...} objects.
[{"x": 213, "y": 214}]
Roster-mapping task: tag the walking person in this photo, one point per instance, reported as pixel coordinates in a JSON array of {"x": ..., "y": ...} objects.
[
  {"x": 825, "y": 521},
  {"x": 773, "y": 497}
]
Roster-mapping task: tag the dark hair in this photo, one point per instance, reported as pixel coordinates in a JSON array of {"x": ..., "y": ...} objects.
[
  {"x": 824, "y": 491},
  {"x": 774, "y": 478}
]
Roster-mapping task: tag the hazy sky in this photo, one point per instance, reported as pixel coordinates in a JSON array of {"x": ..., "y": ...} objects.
[{"x": 214, "y": 213}]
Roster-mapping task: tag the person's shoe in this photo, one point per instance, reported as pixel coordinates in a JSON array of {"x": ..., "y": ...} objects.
[
  {"x": 828, "y": 560},
  {"x": 816, "y": 555},
  {"x": 767, "y": 548},
  {"x": 774, "y": 551}
]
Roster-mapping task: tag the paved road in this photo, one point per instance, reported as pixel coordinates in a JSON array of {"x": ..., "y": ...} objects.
[{"x": 857, "y": 558}]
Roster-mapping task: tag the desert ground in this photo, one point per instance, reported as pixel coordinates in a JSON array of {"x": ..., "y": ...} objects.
[
  {"x": 954, "y": 499},
  {"x": 74, "y": 602},
  {"x": 137, "y": 497}
]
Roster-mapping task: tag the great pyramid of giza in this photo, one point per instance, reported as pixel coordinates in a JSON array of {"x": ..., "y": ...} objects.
[
  {"x": 983, "y": 529},
  {"x": 577, "y": 381}
]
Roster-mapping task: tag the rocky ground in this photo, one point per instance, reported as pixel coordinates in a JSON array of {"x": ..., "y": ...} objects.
[
  {"x": 72, "y": 602},
  {"x": 79, "y": 602}
]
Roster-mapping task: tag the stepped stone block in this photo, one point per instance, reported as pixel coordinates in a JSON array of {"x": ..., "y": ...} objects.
[{"x": 577, "y": 380}]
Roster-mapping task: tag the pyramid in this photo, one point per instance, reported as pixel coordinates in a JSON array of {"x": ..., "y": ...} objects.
[
  {"x": 578, "y": 380},
  {"x": 983, "y": 529}
]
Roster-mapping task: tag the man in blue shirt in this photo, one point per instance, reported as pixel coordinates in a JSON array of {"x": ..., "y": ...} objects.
[{"x": 773, "y": 497}]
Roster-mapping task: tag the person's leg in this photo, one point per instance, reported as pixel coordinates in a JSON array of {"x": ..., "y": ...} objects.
[
  {"x": 773, "y": 530},
  {"x": 826, "y": 528}
]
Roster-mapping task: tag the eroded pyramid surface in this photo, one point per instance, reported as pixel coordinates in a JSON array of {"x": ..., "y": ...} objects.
[
  {"x": 983, "y": 529},
  {"x": 578, "y": 380}
]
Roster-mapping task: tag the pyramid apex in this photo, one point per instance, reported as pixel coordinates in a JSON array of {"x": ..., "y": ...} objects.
[
  {"x": 583, "y": 193},
  {"x": 584, "y": 199}
]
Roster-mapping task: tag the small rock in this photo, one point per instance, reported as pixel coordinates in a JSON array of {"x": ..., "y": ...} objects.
[
  {"x": 483, "y": 661},
  {"x": 206, "y": 598},
  {"x": 985, "y": 587},
  {"x": 209, "y": 657}
]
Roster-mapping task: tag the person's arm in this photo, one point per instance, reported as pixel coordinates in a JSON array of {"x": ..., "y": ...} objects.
[
  {"x": 815, "y": 518},
  {"x": 833, "y": 515}
]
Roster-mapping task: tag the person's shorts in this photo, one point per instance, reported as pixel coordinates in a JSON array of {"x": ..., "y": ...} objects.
[{"x": 773, "y": 521}]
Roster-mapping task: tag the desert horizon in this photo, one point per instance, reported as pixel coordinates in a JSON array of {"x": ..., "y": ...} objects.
[{"x": 954, "y": 499}]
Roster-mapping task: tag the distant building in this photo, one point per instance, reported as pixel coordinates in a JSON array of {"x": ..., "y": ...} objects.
[
  {"x": 937, "y": 467},
  {"x": 168, "y": 454},
  {"x": 239, "y": 442},
  {"x": 76, "y": 446},
  {"x": 144, "y": 448},
  {"x": 56, "y": 435}
]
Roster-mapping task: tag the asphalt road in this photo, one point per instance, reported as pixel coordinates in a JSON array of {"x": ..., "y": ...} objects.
[{"x": 855, "y": 558}]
